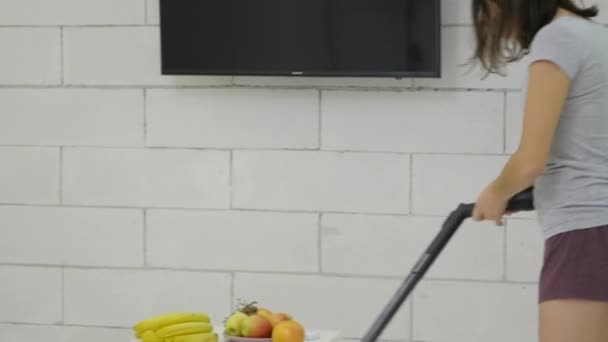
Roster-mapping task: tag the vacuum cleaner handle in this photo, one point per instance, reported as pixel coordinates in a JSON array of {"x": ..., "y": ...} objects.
[
  {"x": 524, "y": 201},
  {"x": 521, "y": 202}
]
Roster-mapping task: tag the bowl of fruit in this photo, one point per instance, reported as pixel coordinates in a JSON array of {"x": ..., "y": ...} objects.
[{"x": 251, "y": 323}]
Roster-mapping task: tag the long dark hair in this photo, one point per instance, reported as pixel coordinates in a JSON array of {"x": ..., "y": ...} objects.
[{"x": 505, "y": 29}]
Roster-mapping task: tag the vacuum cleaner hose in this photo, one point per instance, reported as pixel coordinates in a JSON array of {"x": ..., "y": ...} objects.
[{"x": 523, "y": 201}]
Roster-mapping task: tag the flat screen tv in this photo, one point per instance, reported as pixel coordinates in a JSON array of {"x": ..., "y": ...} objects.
[{"x": 381, "y": 38}]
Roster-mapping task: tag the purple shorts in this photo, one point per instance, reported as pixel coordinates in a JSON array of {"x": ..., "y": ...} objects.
[{"x": 576, "y": 266}]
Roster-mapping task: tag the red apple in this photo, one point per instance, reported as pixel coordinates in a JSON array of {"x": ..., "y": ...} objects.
[{"x": 256, "y": 326}]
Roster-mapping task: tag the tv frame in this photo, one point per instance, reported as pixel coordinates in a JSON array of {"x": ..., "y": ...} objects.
[{"x": 295, "y": 73}]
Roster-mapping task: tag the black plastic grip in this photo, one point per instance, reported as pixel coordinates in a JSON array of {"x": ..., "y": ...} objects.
[{"x": 523, "y": 201}]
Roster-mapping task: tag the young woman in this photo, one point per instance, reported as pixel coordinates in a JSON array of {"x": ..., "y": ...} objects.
[{"x": 563, "y": 152}]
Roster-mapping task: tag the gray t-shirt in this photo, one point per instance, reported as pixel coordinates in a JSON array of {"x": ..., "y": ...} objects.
[{"x": 572, "y": 193}]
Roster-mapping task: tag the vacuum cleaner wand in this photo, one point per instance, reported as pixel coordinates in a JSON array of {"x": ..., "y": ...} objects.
[{"x": 523, "y": 201}]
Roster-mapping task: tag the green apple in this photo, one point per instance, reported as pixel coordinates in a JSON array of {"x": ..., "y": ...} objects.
[{"x": 234, "y": 323}]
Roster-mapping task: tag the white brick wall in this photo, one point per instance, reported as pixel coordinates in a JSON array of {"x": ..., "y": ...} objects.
[
  {"x": 524, "y": 250},
  {"x": 71, "y": 117},
  {"x": 146, "y": 177},
  {"x": 441, "y": 182},
  {"x": 125, "y": 193},
  {"x": 242, "y": 118},
  {"x": 389, "y": 246},
  {"x": 514, "y": 119},
  {"x": 475, "y": 312},
  {"x": 29, "y": 175},
  {"x": 30, "y": 55},
  {"x": 72, "y": 236},
  {"x": 407, "y": 121},
  {"x": 456, "y": 12},
  {"x": 603, "y": 17},
  {"x": 216, "y": 240},
  {"x": 30, "y": 295},
  {"x": 119, "y": 298},
  {"x": 153, "y": 11},
  {"x": 72, "y": 12},
  {"x": 25, "y": 333},
  {"x": 321, "y": 181}
]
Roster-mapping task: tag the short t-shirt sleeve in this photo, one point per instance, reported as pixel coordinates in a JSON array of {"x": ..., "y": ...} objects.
[{"x": 557, "y": 44}]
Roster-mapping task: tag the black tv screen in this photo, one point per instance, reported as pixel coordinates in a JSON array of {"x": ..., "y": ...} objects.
[{"x": 394, "y": 38}]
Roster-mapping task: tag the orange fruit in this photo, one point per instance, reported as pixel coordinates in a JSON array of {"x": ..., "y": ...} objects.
[
  {"x": 278, "y": 318},
  {"x": 288, "y": 331}
]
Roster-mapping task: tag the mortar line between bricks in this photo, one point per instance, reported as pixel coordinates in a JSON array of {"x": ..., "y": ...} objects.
[
  {"x": 466, "y": 90},
  {"x": 71, "y": 325},
  {"x": 183, "y": 148},
  {"x": 256, "y": 149},
  {"x": 222, "y": 85},
  {"x": 277, "y": 273},
  {"x": 145, "y": 236},
  {"x": 278, "y": 211},
  {"x": 115, "y": 86},
  {"x": 80, "y": 26},
  {"x": 253, "y": 210},
  {"x": 411, "y": 186},
  {"x": 60, "y": 195},
  {"x": 231, "y": 180},
  {"x": 145, "y": 104}
]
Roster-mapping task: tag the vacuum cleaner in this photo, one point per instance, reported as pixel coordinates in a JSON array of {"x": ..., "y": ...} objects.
[{"x": 524, "y": 201}]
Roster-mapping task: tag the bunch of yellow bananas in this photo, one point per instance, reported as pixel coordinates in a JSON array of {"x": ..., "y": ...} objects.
[{"x": 176, "y": 327}]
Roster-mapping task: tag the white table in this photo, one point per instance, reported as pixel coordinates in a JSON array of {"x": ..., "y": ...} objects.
[{"x": 312, "y": 335}]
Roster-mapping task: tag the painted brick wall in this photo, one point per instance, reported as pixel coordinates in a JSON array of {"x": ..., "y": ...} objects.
[{"x": 124, "y": 193}]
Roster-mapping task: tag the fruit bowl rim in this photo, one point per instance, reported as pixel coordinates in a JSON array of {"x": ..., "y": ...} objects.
[{"x": 244, "y": 339}]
